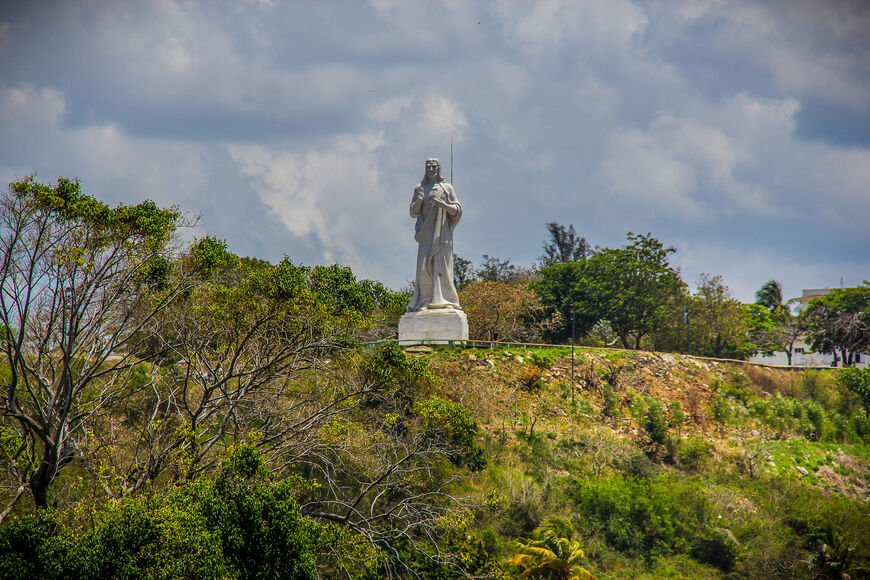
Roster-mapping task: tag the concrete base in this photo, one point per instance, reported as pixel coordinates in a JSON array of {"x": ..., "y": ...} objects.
[{"x": 436, "y": 325}]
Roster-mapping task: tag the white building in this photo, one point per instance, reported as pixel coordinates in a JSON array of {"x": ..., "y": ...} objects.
[{"x": 802, "y": 353}]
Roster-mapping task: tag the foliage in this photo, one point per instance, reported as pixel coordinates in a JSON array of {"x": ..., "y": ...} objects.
[
  {"x": 80, "y": 283},
  {"x": 839, "y": 322},
  {"x": 629, "y": 286},
  {"x": 557, "y": 291},
  {"x": 531, "y": 378},
  {"x": 604, "y": 332},
  {"x": 238, "y": 525},
  {"x": 551, "y": 553},
  {"x": 455, "y": 424},
  {"x": 564, "y": 246},
  {"x": 494, "y": 270},
  {"x": 227, "y": 348},
  {"x": 773, "y": 327},
  {"x": 654, "y": 517},
  {"x": 656, "y": 424},
  {"x": 719, "y": 320},
  {"x": 770, "y": 297},
  {"x": 462, "y": 272},
  {"x": 504, "y": 311},
  {"x": 464, "y": 554},
  {"x": 857, "y": 381}
]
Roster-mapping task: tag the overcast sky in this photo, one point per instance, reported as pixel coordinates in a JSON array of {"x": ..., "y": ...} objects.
[{"x": 737, "y": 132}]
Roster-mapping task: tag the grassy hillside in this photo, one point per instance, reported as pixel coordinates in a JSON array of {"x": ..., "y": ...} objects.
[
  {"x": 434, "y": 463},
  {"x": 665, "y": 465}
]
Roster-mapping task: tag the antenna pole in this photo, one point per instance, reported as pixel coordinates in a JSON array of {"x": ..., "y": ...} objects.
[{"x": 451, "y": 161}]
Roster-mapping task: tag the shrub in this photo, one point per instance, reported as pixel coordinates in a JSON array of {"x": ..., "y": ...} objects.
[
  {"x": 531, "y": 378},
  {"x": 611, "y": 401},
  {"x": 543, "y": 360},
  {"x": 856, "y": 381},
  {"x": 454, "y": 424},
  {"x": 647, "y": 518},
  {"x": 237, "y": 525},
  {"x": 859, "y": 424},
  {"x": 677, "y": 416},
  {"x": 817, "y": 419},
  {"x": 717, "y": 547},
  {"x": 720, "y": 409},
  {"x": 26, "y": 546},
  {"x": 656, "y": 424},
  {"x": 695, "y": 453}
]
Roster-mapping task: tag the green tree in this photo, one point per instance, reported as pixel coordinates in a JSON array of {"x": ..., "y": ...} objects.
[
  {"x": 839, "y": 322},
  {"x": 79, "y": 283},
  {"x": 558, "y": 291},
  {"x": 771, "y": 297},
  {"x": 720, "y": 320},
  {"x": 630, "y": 286},
  {"x": 234, "y": 358},
  {"x": 564, "y": 246},
  {"x": 238, "y": 524},
  {"x": 656, "y": 424},
  {"x": 463, "y": 273},
  {"x": 494, "y": 270}
]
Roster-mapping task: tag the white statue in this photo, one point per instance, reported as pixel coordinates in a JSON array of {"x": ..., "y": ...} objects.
[{"x": 437, "y": 212}]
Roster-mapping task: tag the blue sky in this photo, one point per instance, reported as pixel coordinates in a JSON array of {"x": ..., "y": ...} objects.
[{"x": 737, "y": 132}]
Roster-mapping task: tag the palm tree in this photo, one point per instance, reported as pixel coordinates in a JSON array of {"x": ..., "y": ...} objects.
[
  {"x": 551, "y": 554},
  {"x": 770, "y": 296},
  {"x": 787, "y": 333}
]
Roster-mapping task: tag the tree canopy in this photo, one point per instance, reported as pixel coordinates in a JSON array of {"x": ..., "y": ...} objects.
[
  {"x": 629, "y": 286},
  {"x": 564, "y": 245},
  {"x": 80, "y": 283},
  {"x": 839, "y": 322}
]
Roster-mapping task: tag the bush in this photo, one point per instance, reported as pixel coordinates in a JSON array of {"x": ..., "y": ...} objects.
[
  {"x": 27, "y": 546},
  {"x": 717, "y": 547},
  {"x": 611, "y": 401},
  {"x": 720, "y": 409},
  {"x": 656, "y": 518},
  {"x": 531, "y": 378},
  {"x": 856, "y": 381},
  {"x": 695, "y": 453},
  {"x": 656, "y": 424},
  {"x": 237, "y": 525},
  {"x": 647, "y": 518},
  {"x": 454, "y": 424},
  {"x": 543, "y": 360},
  {"x": 818, "y": 421}
]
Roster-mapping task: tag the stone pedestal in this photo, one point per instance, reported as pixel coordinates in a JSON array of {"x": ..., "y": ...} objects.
[{"x": 437, "y": 325}]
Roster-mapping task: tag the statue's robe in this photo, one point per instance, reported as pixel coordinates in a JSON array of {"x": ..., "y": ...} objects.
[{"x": 434, "y": 286}]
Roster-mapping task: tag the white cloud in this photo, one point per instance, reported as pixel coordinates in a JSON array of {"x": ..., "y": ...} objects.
[
  {"x": 680, "y": 119},
  {"x": 111, "y": 164},
  {"x": 333, "y": 192},
  {"x": 639, "y": 169},
  {"x": 26, "y": 107}
]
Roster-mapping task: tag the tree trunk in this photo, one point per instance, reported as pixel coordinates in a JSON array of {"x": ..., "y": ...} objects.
[
  {"x": 51, "y": 464},
  {"x": 788, "y": 355},
  {"x": 718, "y": 348},
  {"x": 43, "y": 476}
]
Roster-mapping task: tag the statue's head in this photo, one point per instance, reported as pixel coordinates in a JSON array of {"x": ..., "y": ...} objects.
[{"x": 433, "y": 171}]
